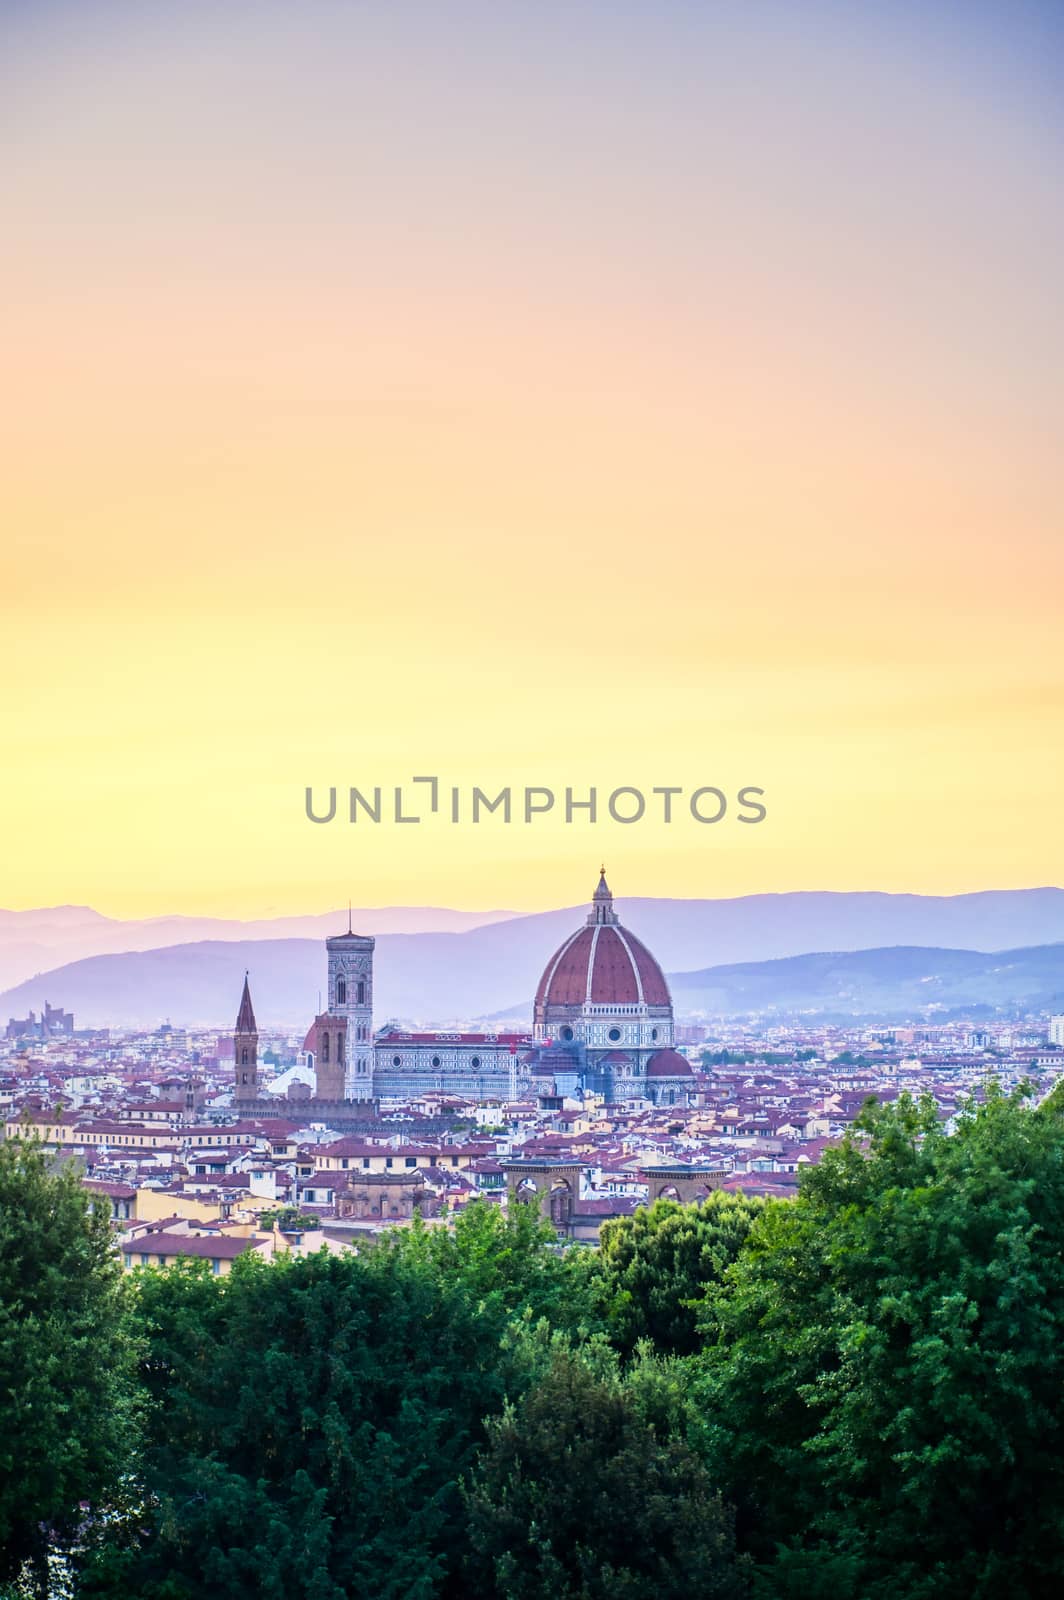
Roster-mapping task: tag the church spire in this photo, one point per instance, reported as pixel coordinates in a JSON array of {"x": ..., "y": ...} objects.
[
  {"x": 246, "y": 1050},
  {"x": 245, "y": 1022}
]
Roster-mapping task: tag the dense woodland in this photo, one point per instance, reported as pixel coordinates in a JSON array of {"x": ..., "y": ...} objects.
[{"x": 856, "y": 1394}]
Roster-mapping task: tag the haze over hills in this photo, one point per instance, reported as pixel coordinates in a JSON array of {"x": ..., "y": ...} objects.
[
  {"x": 438, "y": 977},
  {"x": 893, "y": 983},
  {"x": 33, "y": 942},
  {"x": 200, "y": 983}
]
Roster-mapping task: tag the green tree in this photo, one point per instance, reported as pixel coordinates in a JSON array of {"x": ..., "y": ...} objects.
[
  {"x": 289, "y": 1219},
  {"x": 577, "y": 1497},
  {"x": 67, "y": 1412},
  {"x": 310, "y": 1420},
  {"x": 882, "y": 1386},
  {"x": 654, "y": 1267},
  {"x": 510, "y": 1262}
]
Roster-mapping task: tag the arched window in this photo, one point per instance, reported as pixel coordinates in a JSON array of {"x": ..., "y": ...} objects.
[
  {"x": 341, "y": 991},
  {"x": 244, "y": 1062},
  {"x": 339, "y": 1046},
  {"x": 361, "y": 992},
  {"x": 325, "y": 1047}
]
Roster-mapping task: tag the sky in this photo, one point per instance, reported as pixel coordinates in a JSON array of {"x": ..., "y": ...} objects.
[{"x": 544, "y": 394}]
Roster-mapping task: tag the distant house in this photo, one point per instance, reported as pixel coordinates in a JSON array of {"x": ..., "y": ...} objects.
[
  {"x": 163, "y": 1248},
  {"x": 115, "y": 1199}
]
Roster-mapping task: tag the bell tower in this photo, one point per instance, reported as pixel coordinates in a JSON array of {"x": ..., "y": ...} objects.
[
  {"x": 246, "y": 1050},
  {"x": 351, "y": 1000}
]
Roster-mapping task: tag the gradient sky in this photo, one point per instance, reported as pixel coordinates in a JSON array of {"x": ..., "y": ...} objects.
[{"x": 599, "y": 393}]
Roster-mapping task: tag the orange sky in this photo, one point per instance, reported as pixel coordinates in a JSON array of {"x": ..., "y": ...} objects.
[{"x": 655, "y": 395}]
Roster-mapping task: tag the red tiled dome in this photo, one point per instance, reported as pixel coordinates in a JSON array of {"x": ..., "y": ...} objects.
[
  {"x": 668, "y": 1064},
  {"x": 605, "y": 965}
]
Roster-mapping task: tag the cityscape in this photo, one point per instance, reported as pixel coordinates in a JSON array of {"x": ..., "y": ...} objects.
[
  {"x": 531, "y": 914},
  {"x": 192, "y": 1137}
]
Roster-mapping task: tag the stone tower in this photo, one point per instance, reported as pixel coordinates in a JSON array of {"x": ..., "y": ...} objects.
[
  {"x": 351, "y": 999},
  {"x": 246, "y": 1050},
  {"x": 330, "y": 1056}
]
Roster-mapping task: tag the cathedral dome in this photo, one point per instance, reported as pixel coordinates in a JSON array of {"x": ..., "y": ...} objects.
[
  {"x": 668, "y": 1064},
  {"x": 602, "y": 964}
]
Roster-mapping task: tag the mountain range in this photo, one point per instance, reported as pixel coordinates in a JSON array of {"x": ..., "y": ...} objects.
[
  {"x": 32, "y": 942},
  {"x": 725, "y": 956},
  {"x": 890, "y": 984}
]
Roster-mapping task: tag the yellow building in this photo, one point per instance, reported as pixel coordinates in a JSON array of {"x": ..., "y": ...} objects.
[
  {"x": 161, "y": 1247},
  {"x": 350, "y": 1155}
]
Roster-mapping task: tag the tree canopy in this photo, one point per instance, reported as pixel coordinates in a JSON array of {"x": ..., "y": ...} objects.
[
  {"x": 852, "y": 1395},
  {"x": 577, "y": 1497},
  {"x": 885, "y": 1363},
  {"x": 655, "y": 1267},
  {"x": 67, "y": 1402}
]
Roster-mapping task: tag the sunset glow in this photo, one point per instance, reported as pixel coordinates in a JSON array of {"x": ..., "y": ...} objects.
[{"x": 418, "y": 411}]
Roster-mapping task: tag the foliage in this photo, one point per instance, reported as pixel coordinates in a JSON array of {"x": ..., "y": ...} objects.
[
  {"x": 310, "y": 1424},
  {"x": 310, "y": 1420},
  {"x": 67, "y": 1414},
  {"x": 655, "y": 1266},
  {"x": 289, "y": 1219},
  {"x": 871, "y": 1375},
  {"x": 576, "y": 1497},
  {"x": 510, "y": 1262},
  {"x": 883, "y": 1385}
]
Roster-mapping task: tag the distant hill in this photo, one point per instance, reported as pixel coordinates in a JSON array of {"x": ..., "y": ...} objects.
[
  {"x": 33, "y": 942},
  {"x": 506, "y": 952},
  {"x": 902, "y": 981},
  {"x": 440, "y": 978}
]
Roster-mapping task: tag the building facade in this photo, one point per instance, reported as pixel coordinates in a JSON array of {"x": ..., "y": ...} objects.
[
  {"x": 603, "y": 1018},
  {"x": 602, "y": 1024},
  {"x": 473, "y": 1066}
]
